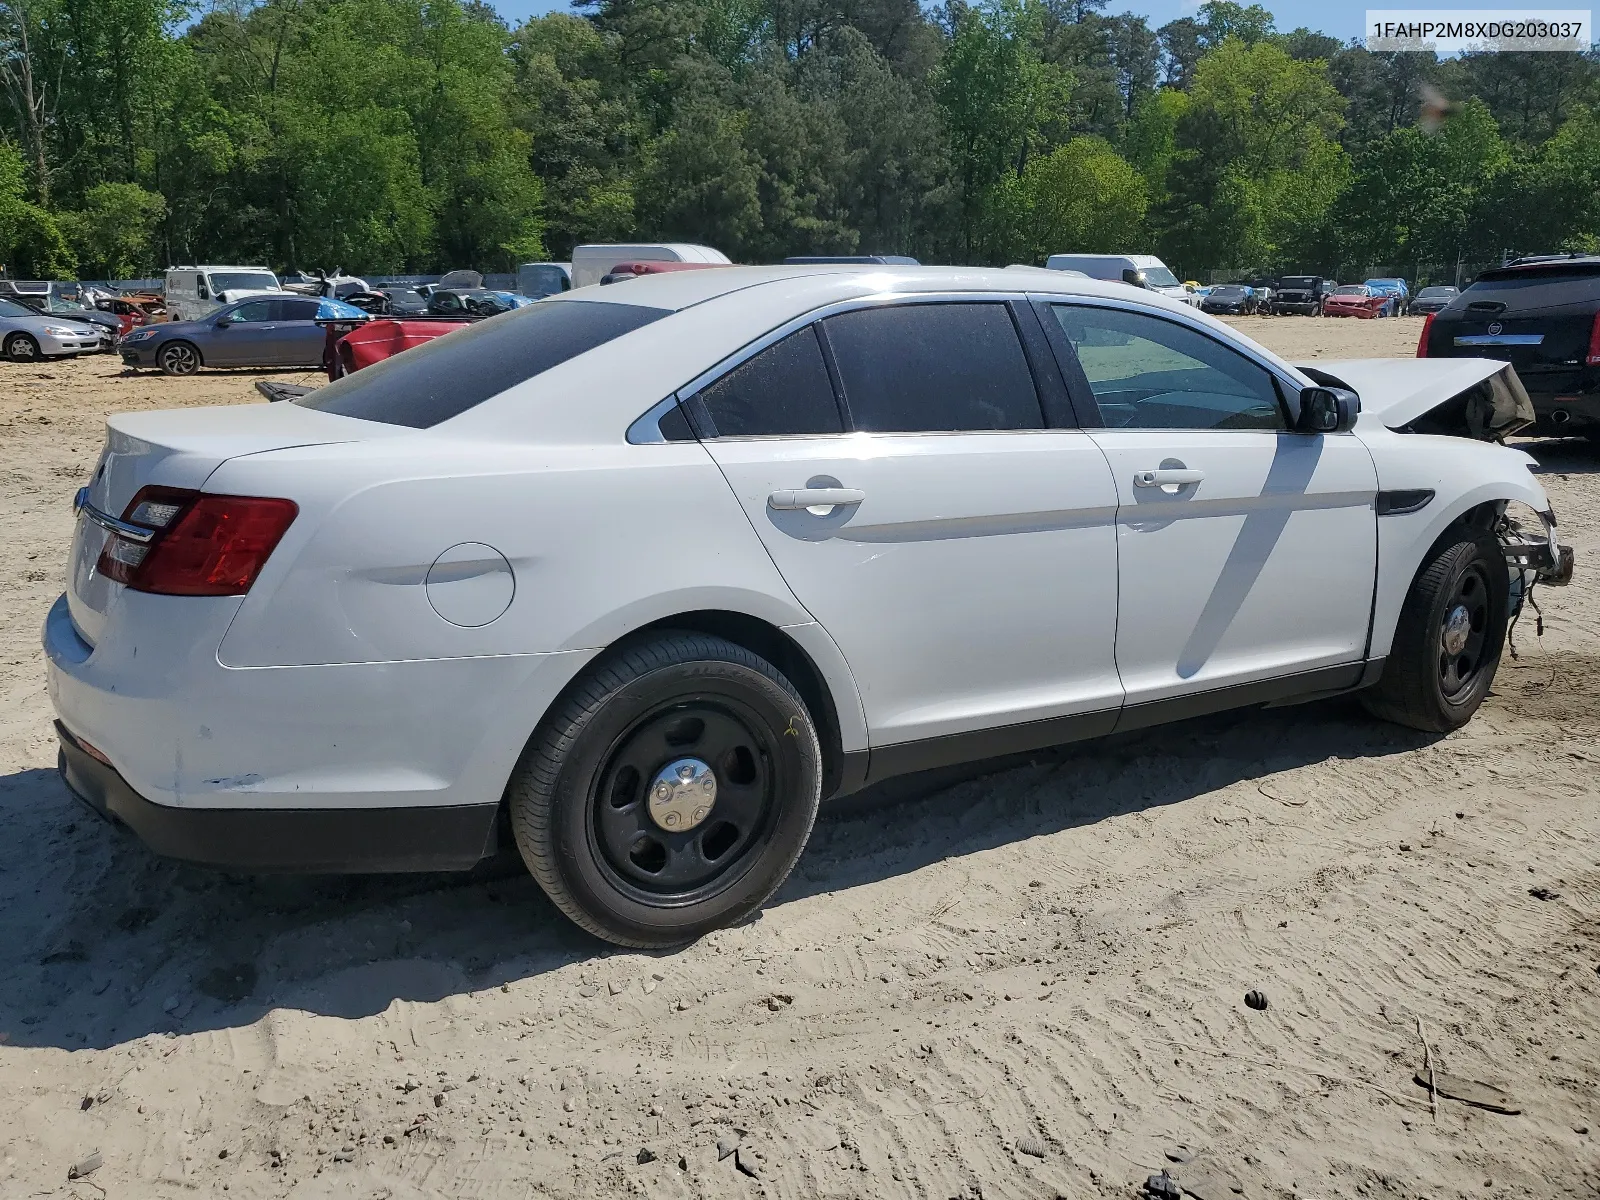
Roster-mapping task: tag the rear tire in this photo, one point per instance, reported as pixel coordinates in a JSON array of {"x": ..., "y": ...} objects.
[
  {"x": 584, "y": 797},
  {"x": 22, "y": 347},
  {"x": 1448, "y": 641},
  {"x": 178, "y": 358}
]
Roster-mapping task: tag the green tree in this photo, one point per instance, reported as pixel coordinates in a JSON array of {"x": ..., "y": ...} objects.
[
  {"x": 1084, "y": 198},
  {"x": 113, "y": 234},
  {"x": 996, "y": 93},
  {"x": 1256, "y": 166}
]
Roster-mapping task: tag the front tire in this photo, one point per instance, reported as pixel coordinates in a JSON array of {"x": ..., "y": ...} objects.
[
  {"x": 1448, "y": 641},
  {"x": 670, "y": 792},
  {"x": 178, "y": 358},
  {"x": 22, "y": 347}
]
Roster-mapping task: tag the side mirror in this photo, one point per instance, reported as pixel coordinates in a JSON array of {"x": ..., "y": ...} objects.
[
  {"x": 223, "y": 322},
  {"x": 1327, "y": 410},
  {"x": 1133, "y": 277}
]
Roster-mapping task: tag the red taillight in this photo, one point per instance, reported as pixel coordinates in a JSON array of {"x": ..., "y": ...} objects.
[
  {"x": 1422, "y": 339},
  {"x": 1594, "y": 342},
  {"x": 201, "y": 545}
]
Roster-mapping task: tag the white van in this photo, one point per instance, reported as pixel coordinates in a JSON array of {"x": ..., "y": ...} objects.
[
  {"x": 1141, "y": 270},
  {"x": 590, "y": 263},
  {"x": 192, "y": 292}
]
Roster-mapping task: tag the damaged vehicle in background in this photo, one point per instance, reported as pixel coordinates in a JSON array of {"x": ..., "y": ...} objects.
[
  {"x": 1302, "y": 295},
  {"x": 1356, "y": 300},
  {"x": 264, "y": 331},
  {"x": 28, "y": 336},
  {"x": 335, "y": 635},
  {"x": 1541, "y": 314},
  {"x": 1433, "y": 299},
  {"x": 1229, "y": 299}
]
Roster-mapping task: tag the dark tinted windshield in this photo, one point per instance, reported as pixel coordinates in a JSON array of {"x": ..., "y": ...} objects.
[
  {"x": 443, "y": 378},
  {"x": 247, "y": 281},
  {"x": 1227, "y": 291},
  {"x": 1299, "y": 282},
  {"x": 1435, "y": 293}
]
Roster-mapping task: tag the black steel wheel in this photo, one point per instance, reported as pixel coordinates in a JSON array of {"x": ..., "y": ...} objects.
[
  {"x": 1463, "y": 633},
  {"x": 178, "y": 358},
  {"x": 22, "y": 347},
  {"x": 684, "y": 798},
  {"x": 1448, "y": 640},
  {"x": 669, "y": 792}
]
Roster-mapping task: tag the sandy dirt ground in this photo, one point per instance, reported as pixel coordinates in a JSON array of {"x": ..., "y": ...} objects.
[{"x": 1025, "y": 980}]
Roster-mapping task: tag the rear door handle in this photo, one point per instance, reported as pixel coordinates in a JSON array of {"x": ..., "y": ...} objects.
[
  {"x": 814, "y": 498},
  {"x": 1166, "y": 477}
]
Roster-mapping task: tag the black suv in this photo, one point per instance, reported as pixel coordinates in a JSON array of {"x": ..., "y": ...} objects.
[
  {"x": 1301, "y": 294},
  {"x": 1542, "y": 315}
]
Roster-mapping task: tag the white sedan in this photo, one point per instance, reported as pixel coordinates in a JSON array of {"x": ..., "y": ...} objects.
[{"x": 637, "y": 575}]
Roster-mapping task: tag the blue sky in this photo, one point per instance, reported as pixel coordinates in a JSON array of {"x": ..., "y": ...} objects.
[{"x": 1341, "y": 20}]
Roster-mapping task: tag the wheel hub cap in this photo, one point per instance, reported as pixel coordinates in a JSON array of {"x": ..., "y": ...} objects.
[
  {"x": 682, "y": 794},
  {"x": 1457, "y": 629}
]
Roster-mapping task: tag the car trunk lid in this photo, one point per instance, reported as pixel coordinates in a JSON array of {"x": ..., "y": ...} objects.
[{"x": 180, "y": 449}]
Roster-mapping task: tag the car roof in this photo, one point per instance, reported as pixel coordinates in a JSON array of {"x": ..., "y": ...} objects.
[{"x": 678, "y": 290}]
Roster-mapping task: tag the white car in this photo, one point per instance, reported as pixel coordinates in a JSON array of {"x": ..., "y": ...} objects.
[{"x": 652, "y": 569}]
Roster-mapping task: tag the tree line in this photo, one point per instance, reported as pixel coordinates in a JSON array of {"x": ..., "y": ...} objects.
[{"x": 419, "y": 135}]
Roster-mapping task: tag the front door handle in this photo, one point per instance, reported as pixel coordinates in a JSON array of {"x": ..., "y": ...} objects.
[
  {"x": 1167, "y": 477},
  {"x": 814, "y": 498}
]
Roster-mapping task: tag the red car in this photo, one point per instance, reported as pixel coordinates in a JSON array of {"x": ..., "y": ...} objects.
[
  {"x": 1355, "y": 300},
  {"x": 352, "y": 346},
  {"x": 350, "y": 349}
]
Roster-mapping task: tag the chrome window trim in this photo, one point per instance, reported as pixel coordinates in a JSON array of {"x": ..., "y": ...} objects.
[
  {"x": 1291, "y": 386},
  {"x": 646, "y": 431}
]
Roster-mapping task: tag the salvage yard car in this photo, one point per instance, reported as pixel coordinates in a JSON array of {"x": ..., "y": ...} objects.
[
  {"x": 1542, "y": 314},
  {"x": 640, "y": 574},
  {"x": 27, "y": 335},
  {"x": 265, "y": 331},
  {"x": 1432, "y": 300},
  {"x": 1234, "y": 299},
  {"x": 1302, "y": 295},
  {"x": 1356, "y": 300}
]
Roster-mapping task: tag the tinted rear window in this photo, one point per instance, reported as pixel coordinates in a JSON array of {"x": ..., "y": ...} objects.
[
  {"x": 445, "y": 377},
  {"x": 1540, "y": 287},
  {"x": 934, "y": 368}
]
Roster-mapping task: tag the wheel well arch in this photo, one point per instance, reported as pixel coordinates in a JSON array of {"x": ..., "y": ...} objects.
[{"x": 783, "y": 652}]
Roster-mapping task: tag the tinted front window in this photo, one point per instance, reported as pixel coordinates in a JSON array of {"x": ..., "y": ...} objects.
[
  {"x": 1302, "y": 283},
  {"x": 445, "y": 377},
  {"x": 1148, "y": 373},
  {"x": 782, "y": 390},
  {"x": 256, "y": 310},
  {"x": 934, "y": 368},
  {"x": 10, "y": 308}
]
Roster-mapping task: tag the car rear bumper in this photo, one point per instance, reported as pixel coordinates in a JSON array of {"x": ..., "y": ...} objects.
[
  {"x": 284, "y": 839},
  {"x": 1565, "y": 414},
  {"x": 187, "y": 746}
]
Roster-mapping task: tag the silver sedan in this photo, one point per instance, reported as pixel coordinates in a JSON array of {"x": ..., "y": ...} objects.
[{"x": 27, "y": 336}]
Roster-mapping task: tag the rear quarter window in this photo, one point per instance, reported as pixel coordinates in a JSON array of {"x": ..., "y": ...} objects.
[{"x": 445, "y": 377}]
